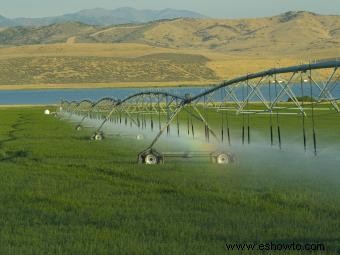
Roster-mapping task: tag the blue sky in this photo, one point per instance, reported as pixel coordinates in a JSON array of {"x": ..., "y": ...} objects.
[{"x": 212, "y": 8}]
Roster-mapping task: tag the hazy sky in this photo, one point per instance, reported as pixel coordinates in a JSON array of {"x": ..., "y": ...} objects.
[{"x": 212, "y": 8}]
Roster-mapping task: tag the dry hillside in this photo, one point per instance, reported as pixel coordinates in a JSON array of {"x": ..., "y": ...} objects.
[
  {"x": 222, "y": 48},
  {"x": 287, "y": 34}
]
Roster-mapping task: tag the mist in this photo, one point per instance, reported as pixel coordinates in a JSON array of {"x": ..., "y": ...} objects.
[{"x": 259, "y": 155}]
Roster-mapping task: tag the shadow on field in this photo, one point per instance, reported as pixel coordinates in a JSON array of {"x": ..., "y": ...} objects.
[
  {"x": 14, "y": 128},
  {"x": 120, "y": 175},
  {"x": 82, "y": 138},
  {"x": 13, "y": 155}
]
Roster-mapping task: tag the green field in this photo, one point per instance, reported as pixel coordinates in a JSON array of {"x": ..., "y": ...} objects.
[{"x": 64, "y": 194}]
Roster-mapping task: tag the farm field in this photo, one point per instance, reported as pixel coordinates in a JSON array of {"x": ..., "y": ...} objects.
[{"x": 64, "y": 194}]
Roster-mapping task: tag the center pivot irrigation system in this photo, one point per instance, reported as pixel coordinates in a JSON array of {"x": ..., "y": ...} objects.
[{"x": 304, "y": 88}]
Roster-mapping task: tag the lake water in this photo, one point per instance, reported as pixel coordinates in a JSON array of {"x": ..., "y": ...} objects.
[
  {"x": 17, "y": 97},
  {"x": 13, "y": 97}
]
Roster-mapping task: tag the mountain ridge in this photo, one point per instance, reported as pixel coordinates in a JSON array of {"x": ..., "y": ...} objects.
[
  {"x": 289, "y": 32},
  {"x": 103, "y": 17},
  {"x": 5, "y": 22}
]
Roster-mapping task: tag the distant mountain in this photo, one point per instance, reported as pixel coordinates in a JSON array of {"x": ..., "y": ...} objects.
[
  {"x": 103, "y": 17},
  {"x": 128, "y": 15},
  {"x": 73, "y": 52},
  {"x": 288, "y": 32},
  {"x": 48, "y": 34},
  {"x": 5, "y": 22}
]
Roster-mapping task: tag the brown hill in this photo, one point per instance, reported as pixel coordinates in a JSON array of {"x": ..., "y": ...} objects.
[
  {"x": 182, "y": 51},
  {"x": 289, "y": 33}
]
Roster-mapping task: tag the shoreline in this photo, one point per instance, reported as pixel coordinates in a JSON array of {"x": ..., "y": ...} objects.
[
  {"x": 26, "y": 105},
  {"x": 56, "y": 105},
  {"x": 118, "y": 85}
]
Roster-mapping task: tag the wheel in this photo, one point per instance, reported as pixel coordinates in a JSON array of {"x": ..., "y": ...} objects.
[
  {"x": 151, "y": 159},
  {"x": 98, "y": 137},
  {"x": 140, "y": 137},
  {"x": 222, "y": 159}
]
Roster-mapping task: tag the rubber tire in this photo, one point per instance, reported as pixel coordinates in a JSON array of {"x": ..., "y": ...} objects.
[
  {"x": 222, "y": 159},
  {"x": 98, "y": 137},
  {"x": 151, "y": 159}
]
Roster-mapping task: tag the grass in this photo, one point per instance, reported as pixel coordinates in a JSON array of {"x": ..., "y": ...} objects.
[{"x": 64, "y": 194}]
